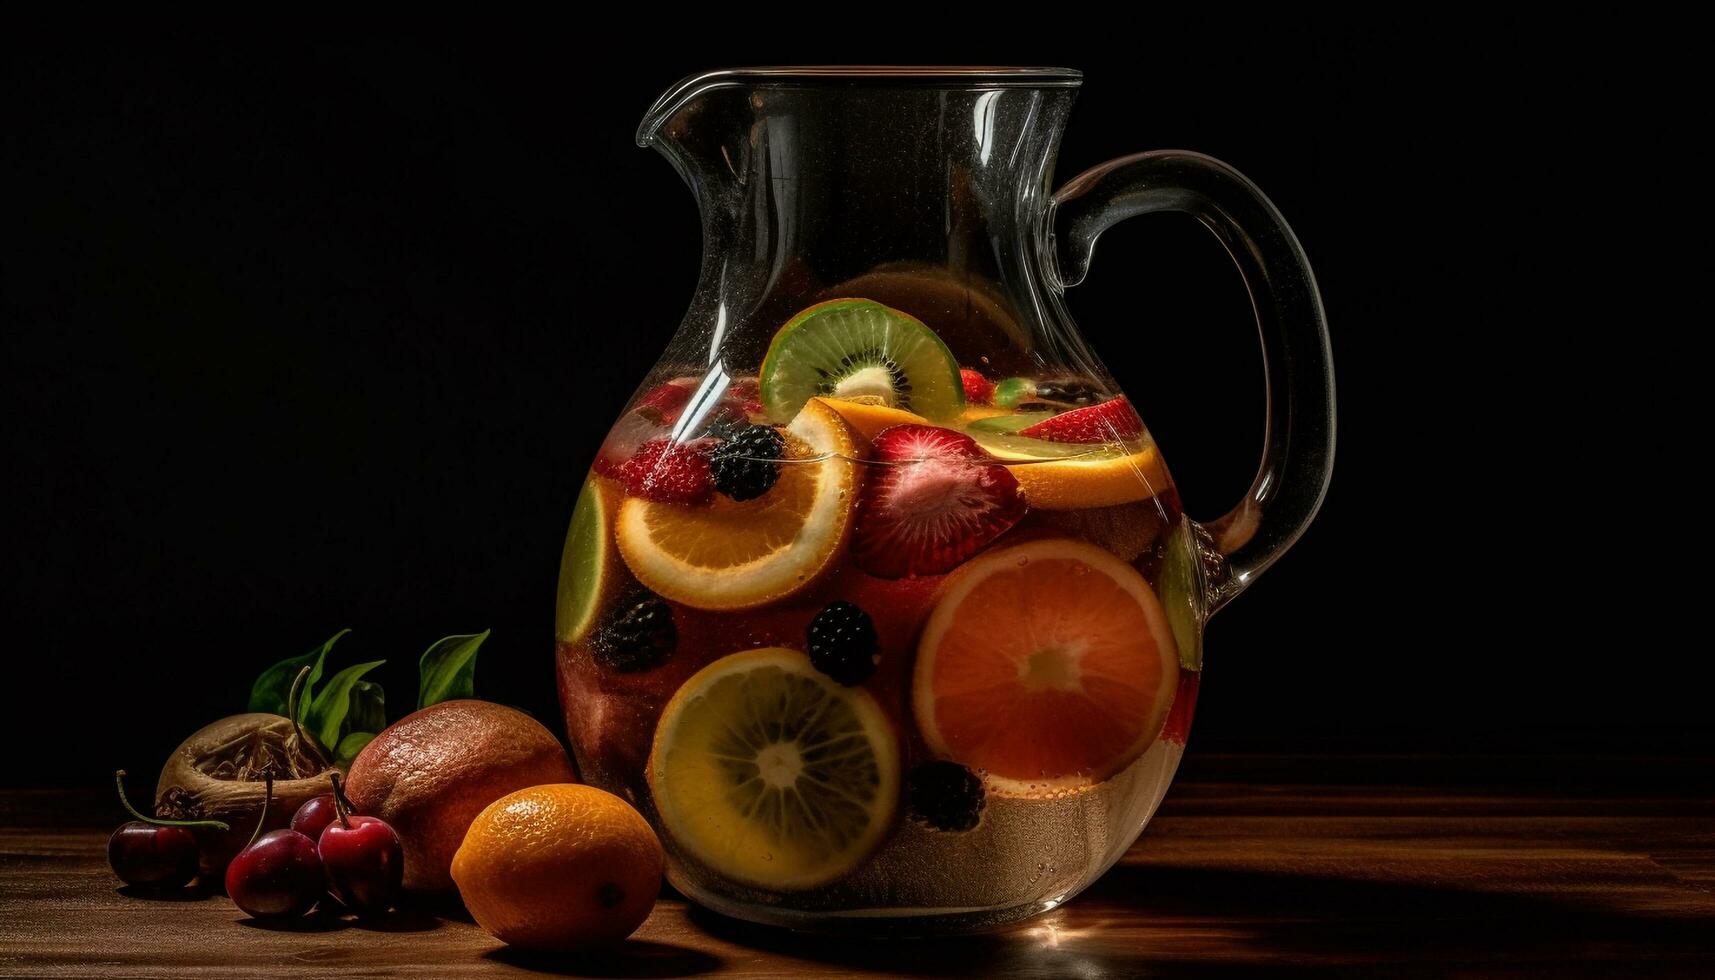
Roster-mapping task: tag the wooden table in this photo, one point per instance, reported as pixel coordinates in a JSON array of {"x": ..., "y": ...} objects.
[{"x": 1281, "y": 866}]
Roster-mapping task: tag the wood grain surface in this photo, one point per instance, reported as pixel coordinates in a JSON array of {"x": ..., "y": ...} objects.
[{"x": 1257, "y": 865}]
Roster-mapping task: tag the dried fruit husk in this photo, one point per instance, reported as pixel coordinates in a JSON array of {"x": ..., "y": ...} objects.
[{"x": 216, "y": 774}]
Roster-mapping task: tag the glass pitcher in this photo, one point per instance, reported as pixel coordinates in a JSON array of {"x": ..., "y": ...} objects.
[{"x": 879, "y": 602}]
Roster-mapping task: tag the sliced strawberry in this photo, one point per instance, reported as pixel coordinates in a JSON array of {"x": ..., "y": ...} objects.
[
  {"x": 669, "y": 472},
  {"x": 747, "y": 394},
  {"x": 666, "y": 401},
  {"x": 978, "y": 389},
  {"x": 938, "y": 500},
  {"x": 633, "y": 429},
  {"x": 1111, "y": 421},
  {"x": 1178, "y": 727}
]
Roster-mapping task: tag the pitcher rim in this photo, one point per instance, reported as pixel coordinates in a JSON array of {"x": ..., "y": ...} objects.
[{"x": 946, "y": 76}]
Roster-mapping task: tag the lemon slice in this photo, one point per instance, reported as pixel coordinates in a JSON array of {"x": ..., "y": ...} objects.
[
  {"x": 773, "y": 774},
  {"x": 589, "y": 566},
  {"x": 730, "y": 554}
]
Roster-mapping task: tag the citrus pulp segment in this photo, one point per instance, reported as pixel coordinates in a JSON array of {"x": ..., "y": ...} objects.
[
  {"x": 730, "y": 554},
  {"x": 1046, "y": 667},
  {"x": 773, "y": 774},
  {"x": 589, "y": 567}
]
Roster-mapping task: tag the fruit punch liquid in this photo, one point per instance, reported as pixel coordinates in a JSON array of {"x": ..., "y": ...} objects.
[{"x": 874, "y": 634}]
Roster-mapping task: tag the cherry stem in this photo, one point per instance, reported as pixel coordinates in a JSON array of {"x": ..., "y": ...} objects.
[
  {"x": 267, "y": 799},
  {"x": 119, "y": 782},
  {"x": 292, "y": 713},
  {"x": 341, "y": 805}
]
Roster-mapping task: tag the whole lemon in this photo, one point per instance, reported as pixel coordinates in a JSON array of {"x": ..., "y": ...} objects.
[{"x": 561, "y": 866}]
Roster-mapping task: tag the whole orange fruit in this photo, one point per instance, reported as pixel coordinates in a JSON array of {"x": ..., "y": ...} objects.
[
  {"x": 431, "y": 772},
  {"x": 559, "y": 867}
]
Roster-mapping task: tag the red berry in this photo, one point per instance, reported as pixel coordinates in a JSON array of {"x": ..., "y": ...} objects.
[
  {"x": 745, "y": 396},
  {"x": 940, "y": 501},
  {"x": 365, "y": 863},
  {"x": 669, "y": 472},
  {"x": 1111, "y": 421},
  {"x": 666, "y": 401},
  {"x": 1178, "y": 726},
  {"x": 150, "y": 856},
  {"x": 978, "y": 389},
  {"x": 633, "y": 429},
  {"x": 314, "y": 816},
  {"x": 278, "y": 876}
]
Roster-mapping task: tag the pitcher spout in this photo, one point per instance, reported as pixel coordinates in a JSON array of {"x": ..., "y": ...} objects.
[{"x": 810, "y": 179}]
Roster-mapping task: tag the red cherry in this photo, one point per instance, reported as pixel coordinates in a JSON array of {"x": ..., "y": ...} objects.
[
  {"x": 150, "y": 852},
  {"x": 148, "y": 856},
  {"x": 364, "y": 860},
  {"x": 277, "y": 876},
  {"x": 314, "y": 816},
  {"x": 365, "y": 863}
]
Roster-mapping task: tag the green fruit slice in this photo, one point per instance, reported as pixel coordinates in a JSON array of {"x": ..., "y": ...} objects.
[
  {"x": 1010, "y": 447},
  {"x": 1007, "y": 424},
  {"x": 1010, "y": 391},
  {"x": 589, "y": 564},
  {"x": 1182, "y": 593},
  {"x": 848, "y": 348},
  {"x": 773, "y": 774}
]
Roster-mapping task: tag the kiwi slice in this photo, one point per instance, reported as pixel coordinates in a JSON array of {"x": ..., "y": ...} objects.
[{"x": 849, "y": 348}]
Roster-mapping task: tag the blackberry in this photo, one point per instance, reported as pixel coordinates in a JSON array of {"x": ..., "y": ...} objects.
[
  {"x": 747, "y": 464},
  {"x": 842, "y": 643},
  {"x": 636, "y": 635},
  {"x": 945, "y": 795}
]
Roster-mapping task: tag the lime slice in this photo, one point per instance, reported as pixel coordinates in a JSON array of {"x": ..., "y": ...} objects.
[
  {"x": 773, "y": 774},
  {"x": 1008, "y": 446},
  {"x": 1182, "y": 593},
  {"x": 589, "y": 569},
  {"x": 1006, "y": 424},
  {"x": 851, "y": 348}
]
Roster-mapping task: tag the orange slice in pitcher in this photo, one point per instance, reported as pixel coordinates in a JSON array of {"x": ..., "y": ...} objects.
[
  {"x": 868, "y": 415},
  {"x": 1046, "y": 667},
  {"x": 731, "y": 554}
]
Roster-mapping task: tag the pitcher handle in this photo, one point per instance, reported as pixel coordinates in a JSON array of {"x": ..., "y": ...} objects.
[{"x": 1298, "y": 367}]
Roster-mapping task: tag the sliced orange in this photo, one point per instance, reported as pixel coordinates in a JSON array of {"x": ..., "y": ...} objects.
[
  {"x": 1046, "y": 667},
  {"x": 731, "y": 554},
  {"x": 1106, "y": 477},
  {"x": 870, "y": 416}
]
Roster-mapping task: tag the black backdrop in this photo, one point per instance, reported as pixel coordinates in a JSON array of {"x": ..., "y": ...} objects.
[{"x": 306, "y": 336}]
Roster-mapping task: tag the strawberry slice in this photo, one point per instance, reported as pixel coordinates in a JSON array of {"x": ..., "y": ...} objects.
[
  {"x": 747, "y": 394},
  {"x": 666, "y": 401},
  {"x": 978, "y": 389},
  {"x": 670, "y": 472},
  {"x": 938, "y": 500},
  {"x": 633, "y": 429},
  {"x": 1111, "y": 421}
]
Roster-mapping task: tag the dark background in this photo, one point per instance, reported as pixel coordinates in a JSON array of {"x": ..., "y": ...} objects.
[{"x": 306, "y": 336}]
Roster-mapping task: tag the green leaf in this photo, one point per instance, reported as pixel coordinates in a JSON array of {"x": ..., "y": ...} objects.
[
  {"x": 271, "y": 690},
  {"x": 448, "y": 670},
  {"x": 330, "y": 708},
  {"x": 368, "y": 709},
  {"x": 349, "y": 746}
]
